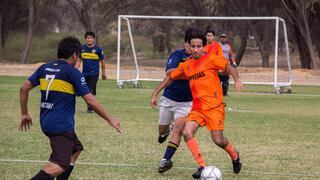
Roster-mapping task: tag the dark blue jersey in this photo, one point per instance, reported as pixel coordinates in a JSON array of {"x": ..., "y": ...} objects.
[
  {"x": 178, "y": 90},
  {"x": 59, "y": 84},
  {"x": 90, "y": 57}
]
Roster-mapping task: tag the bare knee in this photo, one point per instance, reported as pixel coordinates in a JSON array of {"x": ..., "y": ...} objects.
[{"x": 187, "y": 134}]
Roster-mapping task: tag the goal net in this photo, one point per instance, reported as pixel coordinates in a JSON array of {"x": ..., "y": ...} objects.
[{"x": 260, "y": 47}]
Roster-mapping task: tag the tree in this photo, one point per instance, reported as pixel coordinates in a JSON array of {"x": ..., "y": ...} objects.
[
  {"x": 26, "y": 50},
  {"x": 298, "y": 16},
  {"x": 98, "y": 15},
  {"x": 40, "y": 7},
  {"x": 12, "y": 15}
]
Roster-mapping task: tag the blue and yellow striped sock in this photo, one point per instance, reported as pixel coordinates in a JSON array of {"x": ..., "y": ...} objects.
[{"x": 171, "y": 149}]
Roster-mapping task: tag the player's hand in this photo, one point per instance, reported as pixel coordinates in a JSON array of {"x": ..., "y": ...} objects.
[
  {"x": 25, "y": 122},
  {"x": 238, "y": 85},
  {"x": 104, "y": 77},
  {"x": 116, "y": 124},
  {"x": 154, "y": 102}
]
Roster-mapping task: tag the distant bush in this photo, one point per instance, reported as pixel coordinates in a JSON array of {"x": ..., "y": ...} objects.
[{"x": 44, "y": 48}]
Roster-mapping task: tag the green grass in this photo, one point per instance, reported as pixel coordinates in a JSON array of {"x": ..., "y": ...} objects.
[{"x": 278, "y": 135}]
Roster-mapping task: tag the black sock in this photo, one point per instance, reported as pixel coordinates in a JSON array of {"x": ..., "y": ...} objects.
[
  {"x": 66, "y": 174},
  {"x": 42, "y": 175},
  {"x": 171, "y": 149}
]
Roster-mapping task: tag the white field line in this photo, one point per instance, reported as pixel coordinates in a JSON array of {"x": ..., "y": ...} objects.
[
  {"x": 312, "y": 174},
  {"x": 274, "y": 94},
  {"x": 228, "y": 109}
]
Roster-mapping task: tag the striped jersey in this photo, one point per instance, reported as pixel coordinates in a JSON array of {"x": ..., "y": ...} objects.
[
  {"x": 59, "y": 83},
  {"x": 90, "y": 57}
]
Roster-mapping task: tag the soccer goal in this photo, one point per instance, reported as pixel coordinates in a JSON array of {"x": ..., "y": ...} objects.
[{"x": 145, "y": 43}]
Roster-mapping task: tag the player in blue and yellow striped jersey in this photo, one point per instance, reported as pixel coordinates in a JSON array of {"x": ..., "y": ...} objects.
[
  {"x": 60, "y": 82},
  {"x": 92, "y": 55}
]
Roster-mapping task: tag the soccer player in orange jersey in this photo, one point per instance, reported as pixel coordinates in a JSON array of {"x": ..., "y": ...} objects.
[
  {"x": 208, "y": 106},
  {"x": 212, "y": 45}
]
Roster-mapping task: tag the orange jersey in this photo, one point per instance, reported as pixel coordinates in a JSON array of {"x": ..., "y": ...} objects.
[
  {"x": 214, "y": 48},
  {"x": 203, "y": 79}
]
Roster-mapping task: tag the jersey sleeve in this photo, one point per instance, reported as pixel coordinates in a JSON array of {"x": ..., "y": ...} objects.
[
  {"x": 79, "y": 83},
  {"x": 101, "y": 54},
  {"x": 35, "y": 77},
  {"x": 218, "y": 62},
  {"x": 179, "y": 72},
  {"x": 173, "y": 61}
]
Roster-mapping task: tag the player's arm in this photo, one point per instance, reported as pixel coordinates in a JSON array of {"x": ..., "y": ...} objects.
[
  {"x": 154, "y": 97},
  {"x": 232, "y": 60},
  {"x": 233, "y": 72},
  {"x": 98, "y": 108},
  {"x": 174, "y": 74},
  {"x": 103, "y": 65},
  {"x": 26, "y": 120},
  {"x": 103, "y": 69}
]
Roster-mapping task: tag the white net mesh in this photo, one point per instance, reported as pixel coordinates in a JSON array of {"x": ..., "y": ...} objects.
[{"x": 154, "y": 39}]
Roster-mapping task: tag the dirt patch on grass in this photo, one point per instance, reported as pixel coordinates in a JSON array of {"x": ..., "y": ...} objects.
[{"x": 300, "y": 76}]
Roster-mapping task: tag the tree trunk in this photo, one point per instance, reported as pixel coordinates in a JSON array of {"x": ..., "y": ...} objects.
[
  {"x": 27, "y": 48},
  {"x": 243, "y": 45},
  {"x": 308, "y": 42},
  {"x": 297, "y": 12},
  {"x": 304, "y": 56}
]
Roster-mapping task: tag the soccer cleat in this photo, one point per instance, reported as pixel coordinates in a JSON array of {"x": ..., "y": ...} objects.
[
  {"x": 89, "y": 111},
  {"x": 164, "y": 165},
  {"x": 236, "y": 164},
  {"x": 163, "y": 137},
  {"x": 197, "y": 175}
]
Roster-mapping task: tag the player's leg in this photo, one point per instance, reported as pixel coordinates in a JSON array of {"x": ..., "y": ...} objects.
[
  {"x": 60, "y": 158},
  {"x": 77, "y": 148},
  {"x": 222, "y": 142},
  {"x": 166, "y": 117},
  {"x": 94, "y": 81},
  {"x": 48, "y": 172},
  {"x": 166, "y": 163},
  {"x": 92, "y": 84},
  {"x": 180, "y": 110},
  {"x": 191, "y": 125},
  {"x": 225, "y": 85},
  {"x": 215, "y": 123}
]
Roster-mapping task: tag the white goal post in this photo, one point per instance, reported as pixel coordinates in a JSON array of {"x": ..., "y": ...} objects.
[{"x": 278, "y": 84}]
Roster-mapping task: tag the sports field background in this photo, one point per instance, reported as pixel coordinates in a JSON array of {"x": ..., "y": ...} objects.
[{"x": 278, "y": 135}]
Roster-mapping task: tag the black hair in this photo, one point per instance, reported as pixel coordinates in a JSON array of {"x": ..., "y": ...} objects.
[
  {"x": 210, "y": 31},
  {"x": 187, "y": 34},
  {"x": 68, "y": 46},
  {"x": 89, "y": 33},
  {"x": 198, "y": 34}
]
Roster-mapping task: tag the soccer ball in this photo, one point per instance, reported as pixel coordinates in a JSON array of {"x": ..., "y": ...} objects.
[{"x": 211, "y": 173}]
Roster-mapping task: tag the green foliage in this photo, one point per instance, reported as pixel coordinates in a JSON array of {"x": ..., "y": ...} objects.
[
  {"x": 277, "y": 135},
  {"x": 44, "y": 48}
]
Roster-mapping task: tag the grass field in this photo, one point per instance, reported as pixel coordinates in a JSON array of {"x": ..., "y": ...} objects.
[{"x": 278, "y": 136}]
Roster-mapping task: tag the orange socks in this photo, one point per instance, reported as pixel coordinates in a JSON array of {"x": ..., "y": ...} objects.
[
  {"x": 231, "y": 151},
  {"x": 194, "y": 149}
]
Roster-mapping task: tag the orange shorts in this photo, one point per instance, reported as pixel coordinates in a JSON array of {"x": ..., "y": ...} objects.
[{"x": 212, "y": 118}]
